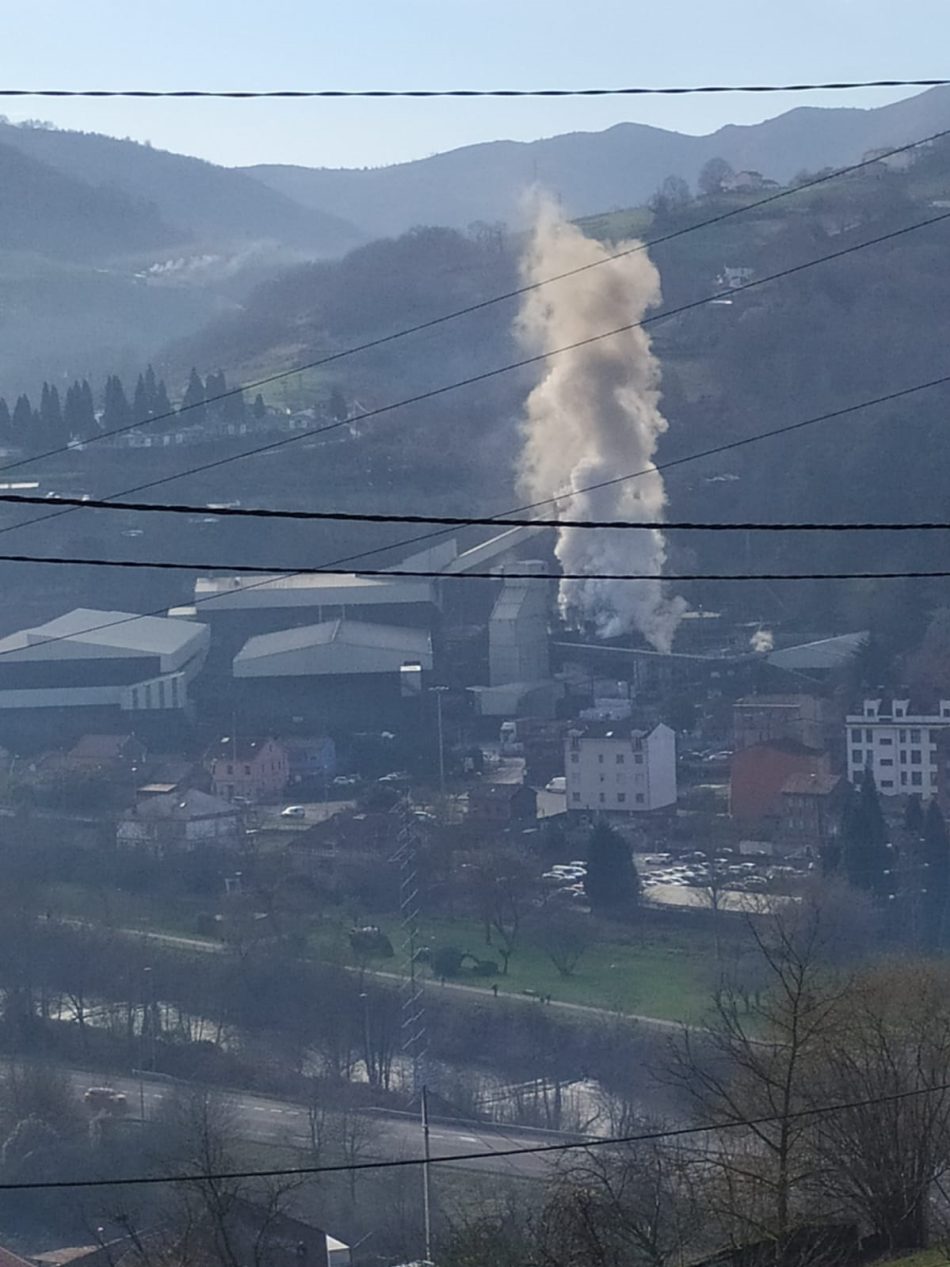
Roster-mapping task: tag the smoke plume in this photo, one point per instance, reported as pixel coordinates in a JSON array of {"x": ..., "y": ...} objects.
[{"x": 595, "y": 415}]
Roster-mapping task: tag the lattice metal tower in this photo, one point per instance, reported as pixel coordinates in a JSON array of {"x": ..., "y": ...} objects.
[{"x": 415, "y": 1037}]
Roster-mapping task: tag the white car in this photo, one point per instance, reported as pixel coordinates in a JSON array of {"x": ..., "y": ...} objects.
[
  {"x": 293, "y": 811},
  {"x": 557, "y": 784}
]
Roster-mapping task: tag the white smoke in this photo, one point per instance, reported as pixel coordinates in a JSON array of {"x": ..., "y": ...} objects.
[
  {"x": 762, "y": 640},
  {"x": 595, "y": 415}
]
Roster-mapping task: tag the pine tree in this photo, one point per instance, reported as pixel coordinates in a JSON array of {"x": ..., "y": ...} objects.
[
  {"x": 215, "y": 386},
  {"x": 151, "y": 391},
  {"x": 162, "y": 406},
  {"x": 23, "y": 422},
  {"x": 260, "y": 409},
  {"x": 51, "y": 416},
  {"x": 193, "y": 401},
  {"x": 87, "y": 409},
  {"x": 141, "y": 407},
  {"x": 864, "y": 841},
  {"x": 935, "y": 880},
  {"x": 914, "y": 815},
  {"x": 337, "y": 408},
  {"x": 611, "y": 882},
  {"x": 116, "y": 412},
  {"x": 6, "y": 422}
]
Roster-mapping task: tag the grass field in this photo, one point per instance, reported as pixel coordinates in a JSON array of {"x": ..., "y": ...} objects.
[{"x": 667, "y": 977}]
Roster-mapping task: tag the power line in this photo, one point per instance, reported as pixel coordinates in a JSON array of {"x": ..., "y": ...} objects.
[
  {"x": 486, "y": 375},
  {"x": 469, "y": 309},
  {"x": 471, "y": 521},
  {"x": 430, "y": 574},
  {"x": 614, "y": 1141},
  {"x": 425, "y": 93}
]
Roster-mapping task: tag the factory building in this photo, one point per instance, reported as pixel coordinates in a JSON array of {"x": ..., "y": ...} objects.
[
  {"x": 93, "y": 670},
  {"x": 337, "y": 674},
  {"x": 242, "y": 607}
]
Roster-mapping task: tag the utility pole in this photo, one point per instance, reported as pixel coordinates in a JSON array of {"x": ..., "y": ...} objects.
[
  {"x": 426, "y": 1190},
  {"x": 438, "y": 692}
]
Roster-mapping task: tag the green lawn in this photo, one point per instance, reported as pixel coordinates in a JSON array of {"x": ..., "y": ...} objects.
[{"x": 666, "y": 977}]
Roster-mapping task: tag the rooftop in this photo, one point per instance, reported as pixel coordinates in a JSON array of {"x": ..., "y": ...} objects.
[
  {"x": 820, "y": 656},
  {"x": 819, "y": 784},
  {"x": 112, "y": 630},
  {"x": 183, "y": 806},
  {"x": 387, "y": 646},
  {"x": 238, "y": 749},
  {"x": 310, "y": 588}
]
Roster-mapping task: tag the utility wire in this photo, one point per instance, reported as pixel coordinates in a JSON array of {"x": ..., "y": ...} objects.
[
  {"x": 430, "y": 574},
  {"x": 486, "y": 375},
  {"x": 614, "y": 1141},
  {"x": 295, "y": 94},
  {"x": 470, "y": 521},
  {"x": 480, "y": 305},
  {"x": 428, "y": 536}
]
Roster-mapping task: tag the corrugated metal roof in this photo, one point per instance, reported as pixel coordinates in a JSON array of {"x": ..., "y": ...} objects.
[
  {"x": 325, "y": 648},
  {"x": 152, "y": 635},
  {"x": 827, "y": 653}
]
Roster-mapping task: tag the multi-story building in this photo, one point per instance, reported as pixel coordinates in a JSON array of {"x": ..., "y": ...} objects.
[
  {"x": 612, "y": 768},
  {"x": 898, "y": 743},
  {"x": 759, "y": 773},
  {"x": 767, "y": 718},
  {"x": 251, "y": 769}
]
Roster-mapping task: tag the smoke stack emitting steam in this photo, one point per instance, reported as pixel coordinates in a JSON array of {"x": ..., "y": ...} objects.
[{"x": 593, "y": 416}]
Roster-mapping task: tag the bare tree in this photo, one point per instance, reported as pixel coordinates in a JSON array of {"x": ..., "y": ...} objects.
[
  {"x": 756, "y": 1063},
  {"x": 564, "y": 937},
  {"x": 888, "y": 1042},
  {"x": 505, "y": 891}
]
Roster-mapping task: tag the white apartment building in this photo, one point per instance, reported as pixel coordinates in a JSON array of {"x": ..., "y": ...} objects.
[
  {"x": 611, "y": 768},
  {"x": 898, "y": 744}
]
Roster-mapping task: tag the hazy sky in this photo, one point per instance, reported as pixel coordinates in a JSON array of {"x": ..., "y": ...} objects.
[{"x": 444, "y": 43}]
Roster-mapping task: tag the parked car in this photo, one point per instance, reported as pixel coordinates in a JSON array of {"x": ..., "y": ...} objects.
[
  {"x": 293, "y": 811},
  {"x": 557, "y": 784}
]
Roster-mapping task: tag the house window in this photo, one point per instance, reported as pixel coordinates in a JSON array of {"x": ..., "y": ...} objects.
[
  {"x": 135, "y": 697},
  {"x": 915, "y": 736},
  {"x": 887, "y": 743},
  {"x": 887, "y": 760},
  {"x": 903, "y": 756},
  {"x": 247, "y": 769},
  {"x": 619, "y": 758},
  {"x": 916, "y": 778},
  {"x": 575, "y": 758},
  {"x": 915, "y": 756},
  {"x": 934, "y": 736},
  {"x": 638, "y": 759},
  {"x": 602, "y": 798},
  {"x": 945, "y": 710},
  {"x": 903, "y": 736},
  {"x": 575, "y": 796},
  {"x": 857, "y": 756},
  {"x": 887, "y": 782},
  {"x": 903, "y": 778},
  {"x": 856, "y": 734},
  {"x": 575, "y": 743},
  {"x": 899, "y": 710},
  {"x": 621, "y": 798},
  {"x": 639, "y": 798},
  {"x": 600, "y": 758},
  {"x": 869, "y": 736},
  {"x": 230, "y": 769}
]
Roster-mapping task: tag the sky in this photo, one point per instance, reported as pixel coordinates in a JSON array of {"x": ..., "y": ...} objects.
[{"x": 246, "y": 44}]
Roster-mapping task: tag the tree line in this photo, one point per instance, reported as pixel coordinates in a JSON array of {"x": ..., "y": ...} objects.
[{"x": 60, "y": 419}]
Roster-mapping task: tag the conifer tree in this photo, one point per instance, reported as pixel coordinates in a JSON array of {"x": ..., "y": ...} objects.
[
  {"x": 864, "y": 841},
  {"x": 23, "y": 422},
  {"x": 193, "y": 401},
  {"x": 141, "y": 409},
  {"x": 260, "y": 409},
  {"x": 87, "y": 409},
  {"x": 6, "y": 422},
  {"x": 935, "y": 880},
  {"x": 116, "y": 411}
]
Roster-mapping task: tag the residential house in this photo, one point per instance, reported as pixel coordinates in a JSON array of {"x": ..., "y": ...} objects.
[
  {"x": 255, "y": 770},
  {"x": 502, "y": 804},
  {"x": 811, "y": 810},
  {"x": 760, "y": 772},
  {"x": 897, "y": 740},
  {"x": 310, "y": 759},
  {"x": 173, "y": 821},
  {"x": 613, "y": 768},
  {"x": 108, "y": 753}
]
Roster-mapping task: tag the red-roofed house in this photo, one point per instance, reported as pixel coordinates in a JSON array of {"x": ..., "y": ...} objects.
[
  {"x": 760, "y": 773},
  {"x": 253, "y": 769},
  {"x": 812, "y": 806}
]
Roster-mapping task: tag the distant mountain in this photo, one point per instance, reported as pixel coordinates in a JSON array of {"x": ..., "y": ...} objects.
[
  {"x": 207, "y": 205},
  {"x": 47, "y": 213},
  {"x": 594, "y": 171}
]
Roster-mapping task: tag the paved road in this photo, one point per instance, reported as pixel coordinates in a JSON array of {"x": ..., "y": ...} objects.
[{"x": 389, "y": 1134}]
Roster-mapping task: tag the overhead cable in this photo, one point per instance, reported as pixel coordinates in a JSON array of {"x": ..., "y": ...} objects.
[
  {"x": 431, "y": 574},
  {"x": 613, "y": 1141},
  {"x": 247, "y": 94}
]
